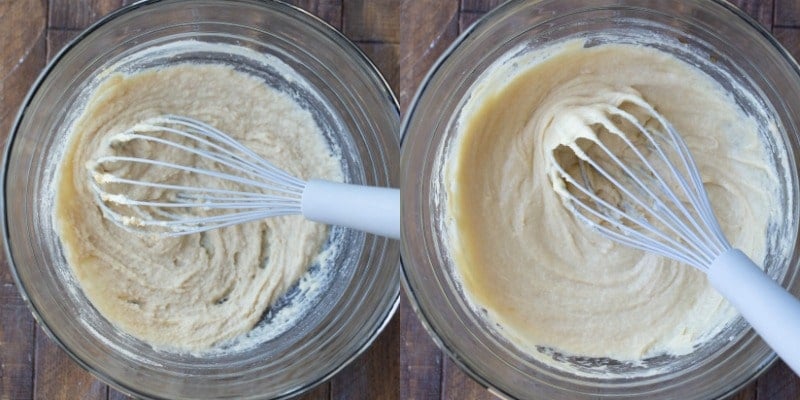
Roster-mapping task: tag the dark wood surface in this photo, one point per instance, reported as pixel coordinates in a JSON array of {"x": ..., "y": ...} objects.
[
  {"x": 31, "y": 32},
  {"x": 428, "y": 28},
  {"x": 403, "y": 37}
]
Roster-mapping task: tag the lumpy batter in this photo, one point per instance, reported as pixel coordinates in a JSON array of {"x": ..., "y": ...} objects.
[
  {"x": 192, "y": 292},
  {"x": 538, "y": 273}
]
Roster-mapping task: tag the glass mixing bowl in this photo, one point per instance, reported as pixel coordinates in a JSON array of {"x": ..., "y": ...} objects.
[
  {"x": 348, "y": 98},
  {"x": 712, "y": 35}
]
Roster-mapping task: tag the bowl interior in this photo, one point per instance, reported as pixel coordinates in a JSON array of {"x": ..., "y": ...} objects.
[
  {"x": 712, "y": 36},
  {"x": 348, "y": 99}
]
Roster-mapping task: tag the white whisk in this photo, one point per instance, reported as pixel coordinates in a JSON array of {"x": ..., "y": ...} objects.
[
  {"x": 629, "y": 175},
  {"x": 233, "y": 185}
]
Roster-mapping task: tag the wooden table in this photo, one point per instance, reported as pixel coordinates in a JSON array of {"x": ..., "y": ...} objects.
[
  {"x": 427, "y": 29},
  {"x": 31, "y": 33},
  {"x": 403, "y": 37}
]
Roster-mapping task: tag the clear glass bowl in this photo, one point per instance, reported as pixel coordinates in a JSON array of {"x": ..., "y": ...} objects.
[
  {"x": 713, "y": 36},
  {"x": 348, "y": 97}
]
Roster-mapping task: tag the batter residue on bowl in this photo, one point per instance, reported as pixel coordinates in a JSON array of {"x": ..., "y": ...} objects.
[
  {"x": 192, "y": 292},
  {"x": 539, "y": 274}
]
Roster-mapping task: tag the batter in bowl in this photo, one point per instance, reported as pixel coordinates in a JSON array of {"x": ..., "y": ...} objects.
[
  {"x": 192, "y": 292},
  {"x": 538, "y": 274}
]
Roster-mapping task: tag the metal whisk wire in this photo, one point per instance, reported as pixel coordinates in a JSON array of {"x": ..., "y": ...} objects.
[
  {"x": 654, "y": 199},
  {"x": 230, "y": 185},
  {"x": 690, "y": 234},
  {"x": 205, "y": 141}
]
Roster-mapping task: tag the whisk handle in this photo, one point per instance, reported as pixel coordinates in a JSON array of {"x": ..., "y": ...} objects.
[
  {"x": 772, "y": 311},
  {"x": 366, "y": 208}
]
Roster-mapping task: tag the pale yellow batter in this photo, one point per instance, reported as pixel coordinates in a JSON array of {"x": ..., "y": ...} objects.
[
  {"x": 192, "y": 292},
  {"x": 539, "y": 274}
]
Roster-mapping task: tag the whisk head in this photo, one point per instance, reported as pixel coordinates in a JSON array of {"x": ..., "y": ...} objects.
[
  {"x": 626, "y": 172},
  {"x": 174, "y": 175}
]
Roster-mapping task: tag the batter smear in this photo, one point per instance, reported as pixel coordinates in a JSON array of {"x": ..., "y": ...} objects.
[
  {"x": 192, "y": 292},
  {"x": 540, "y": 275}
]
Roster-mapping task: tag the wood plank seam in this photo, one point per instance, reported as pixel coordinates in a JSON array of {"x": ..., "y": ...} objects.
[
  {"x": 34, "y": 362},
  {"x": 341, "y": 17},
  {"x": 64, "y": 29},
  {"x": 774, "y": 17},
  {"x": 376, "y": 41}
]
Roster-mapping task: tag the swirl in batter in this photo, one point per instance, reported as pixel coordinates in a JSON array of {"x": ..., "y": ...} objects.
[
  {"x": 192, "y": 292},
  {"x": 540, "y": 275}
]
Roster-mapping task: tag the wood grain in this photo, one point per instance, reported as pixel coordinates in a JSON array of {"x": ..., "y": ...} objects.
[
  {"x": 373, "y": 20},
  {"x": 377, "y": 374},
  {"x": 779, "y": 382},
  {"x": 787, "y": 13},
  {"x": 16, "y": 345},
  {"x": 762, "y": 10},
  {"x": 31, "y": 364},
  {"x": 429, "y": 26},
  {"x": 747, "y": 393},
  {"x": 385, "y": 56},
  {"x": 458, "y": 385},
  {"x": 373, "y": 26},
  {"x": 329, "y": 11},
  {"x": 404, "y": 38},
  {"x": 479, "y": 6},
  {"x": 77, "y": 15},
  {"x": 22, "y": 56},
  {"x": 113, "y": 394},
  {"x": 789, "y": 38},
  {"x": 421, "y": 360},
  {"x": 58, "y": 377}
]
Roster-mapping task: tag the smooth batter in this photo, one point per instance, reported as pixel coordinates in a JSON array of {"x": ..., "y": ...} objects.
[
  {"x": 192, "y": 292},
  {"x": 540, "y": 275}
]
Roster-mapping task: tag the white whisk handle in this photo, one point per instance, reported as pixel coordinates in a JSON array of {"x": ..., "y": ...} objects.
[
  {"x": 772, "y": 311},
  {"x": 366, "y": 208}
]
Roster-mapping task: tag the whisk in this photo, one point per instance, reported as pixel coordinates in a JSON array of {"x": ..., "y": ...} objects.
[
  {"x": 627, "y": 174},
  {"x": 232, "y": 185}
]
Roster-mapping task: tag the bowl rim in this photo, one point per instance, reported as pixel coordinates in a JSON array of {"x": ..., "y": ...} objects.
[
  {"x": 285, "y": 8},
  {"x": 407, "y": 265}
]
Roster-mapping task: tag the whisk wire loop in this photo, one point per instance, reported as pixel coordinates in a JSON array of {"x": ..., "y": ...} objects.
[
  {"x": 685, "y": 224},
  {"x": 228, "y": 152},
  {"x": 108, "y": 178},
  {"x": 639, "y": 185},
  {"x": 235, "y": 155},
  {"x": 694, "y": 188},
  {"x": 667, "y": 217},
  {"x": 645, "y": 197},
  {"x": 172, "y": 175},
  {"x": 663, "y": 185},
  {"x": 662, "y": 244},
  {"x": 245, "y": 187}
]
